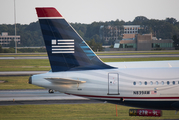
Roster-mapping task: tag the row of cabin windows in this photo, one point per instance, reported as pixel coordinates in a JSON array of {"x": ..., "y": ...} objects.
[{"x": 156, "y": 83}]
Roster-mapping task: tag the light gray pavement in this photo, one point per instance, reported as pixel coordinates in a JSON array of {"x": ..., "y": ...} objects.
[{"x": 23, "y": 95}]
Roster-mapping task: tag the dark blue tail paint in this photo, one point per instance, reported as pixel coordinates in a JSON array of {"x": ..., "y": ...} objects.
[{"x": 66, "y": 49}]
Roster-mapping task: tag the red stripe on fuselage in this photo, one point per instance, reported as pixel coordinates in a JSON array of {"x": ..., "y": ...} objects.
[
  {"x": 48, "y": 12},
  {"x": 94, "y": 96}
]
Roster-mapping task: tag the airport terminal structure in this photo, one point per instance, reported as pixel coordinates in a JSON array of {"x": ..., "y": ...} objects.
[
  {"x": 128, "y": 38},
  {"x": 137, "y": 42},
  {"x": 132, "y": 41},
  {"x": 5, "y": 39}
]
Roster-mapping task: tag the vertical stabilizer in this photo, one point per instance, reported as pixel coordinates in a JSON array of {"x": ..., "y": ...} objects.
[{"x": 66, "y": 49}]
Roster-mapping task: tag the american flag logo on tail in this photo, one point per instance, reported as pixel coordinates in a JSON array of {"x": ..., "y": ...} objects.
[{"x": 63, "y": 46}]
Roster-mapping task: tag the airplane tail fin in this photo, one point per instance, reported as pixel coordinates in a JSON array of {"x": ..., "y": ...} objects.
[{"x": 65, "y": 48}]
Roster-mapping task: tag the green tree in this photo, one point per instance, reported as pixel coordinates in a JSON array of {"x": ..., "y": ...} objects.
[
  {"x": 10, "y": 50},
  {"x": 81, "y": 33},
  {"x": 176, "y": 42},
  {"x": 1, "y": 50},
  {"x": 31, "y": 34},
  {"x": 171, "y": 20},
  {"x": 95, "y": 46}
]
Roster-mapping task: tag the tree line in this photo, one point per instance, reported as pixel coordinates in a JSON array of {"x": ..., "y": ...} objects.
[{"x": 31, "y": 34}]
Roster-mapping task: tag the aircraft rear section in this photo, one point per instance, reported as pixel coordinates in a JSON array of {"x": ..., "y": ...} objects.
[
  {"x": 114, "y": 86},
  {"x": 77, "y": 70},
  {"x": 66, "y": 50}
]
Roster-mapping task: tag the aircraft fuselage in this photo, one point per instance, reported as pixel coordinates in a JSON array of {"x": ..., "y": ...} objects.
[{"x": 142, "y": 87}]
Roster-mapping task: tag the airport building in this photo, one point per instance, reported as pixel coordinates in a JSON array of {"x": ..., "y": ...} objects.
[
  {"x": 115, "y": 32},
  {"x": 131, "y": 29},
  {"x": 5, "y": 39},
  {"x": 110, "y": 32},
  {"x": 137, "y": 42}
]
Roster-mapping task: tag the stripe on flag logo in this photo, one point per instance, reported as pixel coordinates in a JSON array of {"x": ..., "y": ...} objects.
[{"x": 63, "y": 46}]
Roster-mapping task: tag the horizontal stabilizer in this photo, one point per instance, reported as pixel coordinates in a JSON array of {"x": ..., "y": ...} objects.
[{"x": 64, "y": 81}]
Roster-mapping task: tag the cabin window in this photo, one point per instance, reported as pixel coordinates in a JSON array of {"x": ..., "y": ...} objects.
[
  {"x": 173, "y": 82},
  {"x": 168, "y": 82},
  {"x": 156, "y": 83},
  {"x": 140, "y": 83},
  {"x": 151, "y": 83},
  {"x": 162, "y": 83},
  {"x": 145, "y": 82}
]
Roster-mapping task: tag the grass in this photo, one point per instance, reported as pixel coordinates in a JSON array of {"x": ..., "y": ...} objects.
[
  {"x": 17, "y": 82},
  {"x": 163, "y": 52},
  {"x": 25, "y": 62},
  {"x": 43, "y": 64},
  {"x": 22, "y": 54},
  {"x": 73, "y": 112},
  {"x": 25, "y": 65}
]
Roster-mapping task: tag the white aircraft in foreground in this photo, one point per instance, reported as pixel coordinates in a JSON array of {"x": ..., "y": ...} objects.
[{"x": 77, "y": 70}]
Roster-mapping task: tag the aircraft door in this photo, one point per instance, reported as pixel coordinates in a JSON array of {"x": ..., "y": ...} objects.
[{"x": 113, "y": 84}]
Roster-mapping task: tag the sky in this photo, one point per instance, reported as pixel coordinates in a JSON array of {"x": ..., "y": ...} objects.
[{"x": 88, "y": 11}]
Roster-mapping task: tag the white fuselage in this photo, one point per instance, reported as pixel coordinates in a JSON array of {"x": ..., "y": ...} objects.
[{"x": 153, "y": 83}]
